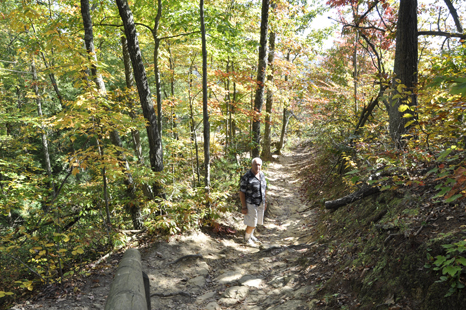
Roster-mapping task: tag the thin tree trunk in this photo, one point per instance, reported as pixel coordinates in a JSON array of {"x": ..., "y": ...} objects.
[
  {"x": 45, "y": 144},
  {"x": 171, "y": 62},
  {"x": 132, "y": 207},
  {"x": 261, "y": 73},
  {"x": 266, "y": 153},
  {"x": 205, "y": 111},
  {"x": 283, "y": 132},
  {"x": 355, "y": 74},
  {"x": 227, "y": 105},
  {"x": 232, "y": 112},
  {"x": 158, "y": 87},
  {"x": 104, "y": 179},
  {"x": 284, "y": 119},
  {"x": 193, "y": 124}
]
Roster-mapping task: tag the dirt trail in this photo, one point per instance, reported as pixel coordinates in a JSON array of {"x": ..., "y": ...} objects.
[{"x": 221, "y": 272}]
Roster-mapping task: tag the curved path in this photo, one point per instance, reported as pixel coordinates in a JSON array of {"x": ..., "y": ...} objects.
[{"x": 216, "y": 270}]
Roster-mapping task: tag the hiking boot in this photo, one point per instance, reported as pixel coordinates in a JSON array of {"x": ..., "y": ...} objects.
[{"x": 250, "y": 243}]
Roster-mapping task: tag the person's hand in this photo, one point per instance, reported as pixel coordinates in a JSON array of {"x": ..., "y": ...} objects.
[{"x": 244, "y": 211}]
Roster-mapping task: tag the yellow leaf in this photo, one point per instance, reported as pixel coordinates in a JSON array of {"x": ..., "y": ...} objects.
[
  {"x": 49, "y": 245},
  {"x": 42, "y": 253},
  {"x": 80, "y": 250},
  {"x": 75, "y": 171},
  {"x": 62, "y": 250},
  {"x": 3, "y": 294},
  {"x": 403, "y": 107}
]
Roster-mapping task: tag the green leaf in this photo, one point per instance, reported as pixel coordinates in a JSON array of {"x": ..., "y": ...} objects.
[
  {"x": 461, "y": 260},
  {"x": 451, "y": 270},
  {"x": 440, "y": 259},
  {"x": 453, "y": 198},
  {"x": 444, "y": 154},
  {"x": 384, "y": 188},
  {"x": 432, "y": 171},
  {"x": 445, "y": 189}
]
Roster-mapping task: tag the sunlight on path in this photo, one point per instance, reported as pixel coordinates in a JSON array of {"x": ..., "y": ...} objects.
[{"x": 283, "y": 226}]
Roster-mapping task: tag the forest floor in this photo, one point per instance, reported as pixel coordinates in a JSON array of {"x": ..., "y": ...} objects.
[{"x": 221, "y": 272}]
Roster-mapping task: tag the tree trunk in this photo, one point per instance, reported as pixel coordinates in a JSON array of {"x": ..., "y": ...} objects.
[
  {"x": 132, "y": 207},
  {"x": 227, "y": 105},
  {"x": 45, "y": 144},
  {"x": 261, "y": 72},
  {"x": 283, "y": 132},
  {"x": 134, "y": 132},
  {"x": 155, "y": 141},
  {"x": 89, "y": 41},
  {"x": 129, "y": 84},
  {"x": 158, "y": 87},
  {"x": 172, "y": 91},
  {"x": 266, "y": 153},
  {"x": 284, "y": 119},
  {"x": 193, "y": 124},
  {"x": 405, "y": 80},
  {"x": 205, "y": 111}
]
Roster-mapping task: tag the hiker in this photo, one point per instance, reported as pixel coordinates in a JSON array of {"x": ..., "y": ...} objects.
[{"x": 252, "y": 196}]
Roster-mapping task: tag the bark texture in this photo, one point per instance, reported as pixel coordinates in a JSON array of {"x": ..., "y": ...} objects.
[
  {"x": 340, "y": 202},
  {"x": 205, "y": 110},
  {"x": 261, "y": 74},
  {"x": 155, "y": 141},
  {"x": 266, "y": 153},
  {"x": 89, "y": 42},
  {"x": 405, "y": 80}
]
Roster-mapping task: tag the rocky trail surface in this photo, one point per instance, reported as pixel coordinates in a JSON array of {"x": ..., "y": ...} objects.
[{"x": 217, "y": 271}]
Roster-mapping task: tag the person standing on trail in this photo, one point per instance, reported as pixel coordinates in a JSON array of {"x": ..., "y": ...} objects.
[{"x": 252, "y": 196}]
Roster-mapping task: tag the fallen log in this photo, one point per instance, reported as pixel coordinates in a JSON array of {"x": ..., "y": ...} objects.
[
  {"x": 130, "y": 287},
  {"x": 340, "y": 202}
]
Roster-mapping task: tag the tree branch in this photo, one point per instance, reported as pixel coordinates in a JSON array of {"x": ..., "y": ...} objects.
[
  {"x": 454, "y": 14},
  {"x": 368, "y": 11},
  {"x": 442, "y": 34},
  {"x": 361, "y": 27},
  {"x": 32, "y": 270}
]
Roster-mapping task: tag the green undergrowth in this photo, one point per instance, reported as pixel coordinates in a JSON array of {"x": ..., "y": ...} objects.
[{"x": 397, "y": 248}]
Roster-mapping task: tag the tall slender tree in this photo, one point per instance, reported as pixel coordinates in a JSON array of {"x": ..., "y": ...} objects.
[
  {"x": 261, "y": 74},
  {"x": 205, "y": 110},
  {"x": 266, "y": 152}
]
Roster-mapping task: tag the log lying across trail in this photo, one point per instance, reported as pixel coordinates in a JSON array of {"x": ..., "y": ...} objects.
[{"x": 340, "y": 202}]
